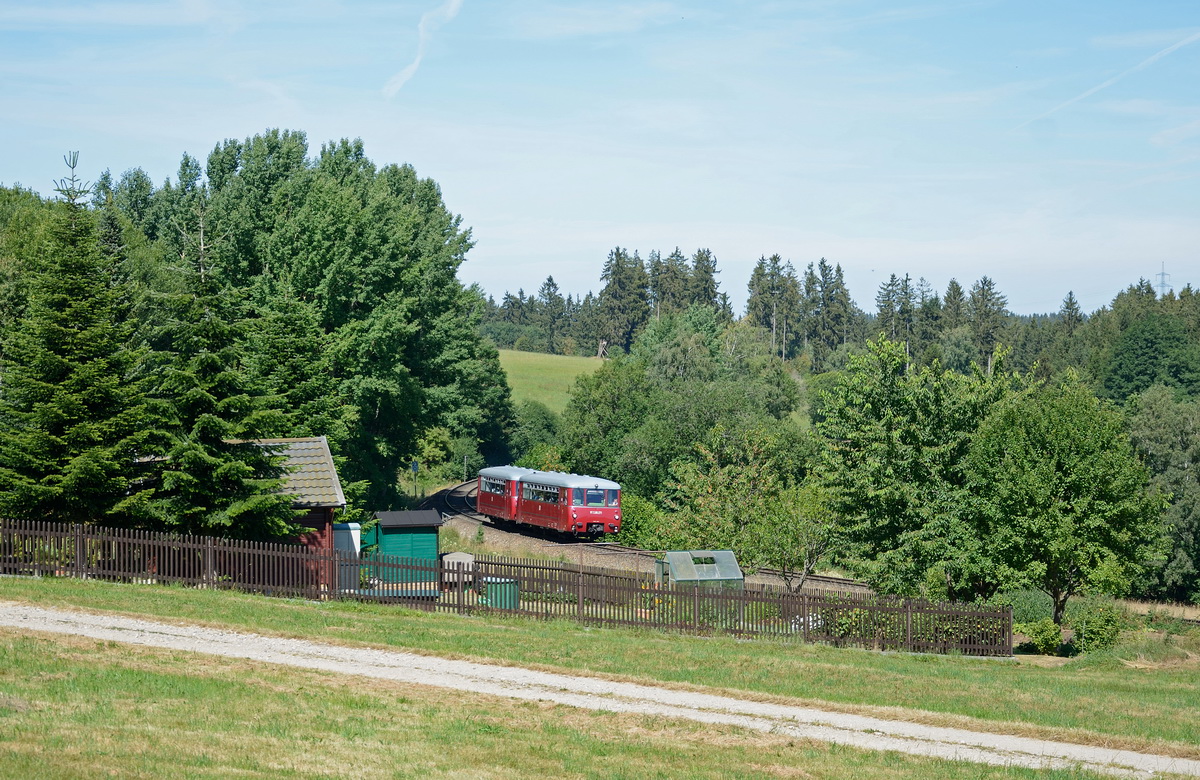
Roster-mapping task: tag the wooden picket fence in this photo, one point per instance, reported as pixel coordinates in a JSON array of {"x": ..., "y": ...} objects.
[{"x": 543, "y": 589}]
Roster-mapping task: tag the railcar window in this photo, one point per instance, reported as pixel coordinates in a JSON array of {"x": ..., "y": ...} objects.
[
  {"x": 588, "y": 497},
  {"x": 493, "y": 486},
  {"x": 612, "y": 497},
  {"x": 531, "y": 492}
]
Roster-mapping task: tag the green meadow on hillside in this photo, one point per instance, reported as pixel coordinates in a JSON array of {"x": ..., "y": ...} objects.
[{"x": 535, "y": 376}]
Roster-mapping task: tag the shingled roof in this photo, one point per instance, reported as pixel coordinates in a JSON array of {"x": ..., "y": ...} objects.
[{"x": 311, "y": 476}]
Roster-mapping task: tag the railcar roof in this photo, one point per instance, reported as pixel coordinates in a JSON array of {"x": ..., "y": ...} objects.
[
  {"x": 504, "y": 472},
  {"x": 559, "y": 479}
]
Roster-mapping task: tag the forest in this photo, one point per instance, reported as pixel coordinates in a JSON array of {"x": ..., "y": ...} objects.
[
  {"x": 149, "y": 332},
  {"x": 936, "y": 445}
]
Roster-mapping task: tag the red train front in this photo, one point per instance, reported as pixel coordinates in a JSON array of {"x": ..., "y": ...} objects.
[{"x": 572, "y": 503}]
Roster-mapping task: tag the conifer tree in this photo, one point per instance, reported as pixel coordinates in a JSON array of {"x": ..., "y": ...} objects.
[
  {"x": 623, "y": 303},
  {"x": 954, "y": 307},
  {"x": 213, "y": 479},
  {"x": 73, "y": 418},
  {"x": 703, "y": 278},
  {"x": 986, "y": 313}
]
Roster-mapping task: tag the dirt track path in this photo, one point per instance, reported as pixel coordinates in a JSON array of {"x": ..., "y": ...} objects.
[{"x": 590, "y": 693}]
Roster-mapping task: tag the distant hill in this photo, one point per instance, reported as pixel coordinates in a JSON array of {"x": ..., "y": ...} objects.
[{"x": 535, "y": 376}]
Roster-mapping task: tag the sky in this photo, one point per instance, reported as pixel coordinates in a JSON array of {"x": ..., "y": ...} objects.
[{"x": 1053, "y": 147}]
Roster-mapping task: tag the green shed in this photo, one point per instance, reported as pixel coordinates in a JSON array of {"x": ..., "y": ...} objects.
[{"x": 412, "y": 536}]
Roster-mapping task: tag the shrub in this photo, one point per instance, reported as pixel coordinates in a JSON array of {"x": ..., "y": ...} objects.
[
  {"x": 1044, "y": 635},
  {"x": 1028, "y": 606},
  {"x": 1097, "y": 626}
]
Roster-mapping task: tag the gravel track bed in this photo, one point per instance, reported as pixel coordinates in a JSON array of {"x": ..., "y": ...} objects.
[{"x": 595, "y": 694}]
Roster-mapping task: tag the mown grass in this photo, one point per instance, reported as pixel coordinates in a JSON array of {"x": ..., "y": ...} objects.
[
  {"x": 535, "y": 376},
  {"x": 82, "y": 708},
  {"x": 1098, "y": 699}
]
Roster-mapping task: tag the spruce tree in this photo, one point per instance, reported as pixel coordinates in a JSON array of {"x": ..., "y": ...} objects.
[
  {"x": 986, "y": 313},
  {"x": 954, "y": 307},
  {"x": 703, "y": 278},
  {"x": 73, "y": 418},
  {"x": 213, "y": 478},
  {"x": 624, "y": 301}
]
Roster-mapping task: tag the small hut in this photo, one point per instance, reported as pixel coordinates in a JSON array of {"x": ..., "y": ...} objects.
[
  {"x": 312, "y": 481},
  {"x": 411, "y": 534}
]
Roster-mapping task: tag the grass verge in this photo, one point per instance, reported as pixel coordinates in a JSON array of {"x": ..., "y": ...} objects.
[
  {"x": 81, "y": 708},
  {"x": 1096, "y": 699}
]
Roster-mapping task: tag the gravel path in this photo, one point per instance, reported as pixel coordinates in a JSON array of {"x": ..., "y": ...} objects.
[{"x": 855, "y": 730}]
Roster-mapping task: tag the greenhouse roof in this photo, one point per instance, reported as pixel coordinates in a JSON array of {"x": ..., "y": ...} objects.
[{"x": 704, "y": 566}]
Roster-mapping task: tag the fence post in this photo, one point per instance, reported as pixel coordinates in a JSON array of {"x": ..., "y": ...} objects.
[
  {"x": 908, "y": 625},
  {"x": 80, "y": 552},
  {"x": 579, "y": 593},
  {"x": 696, "y": 609},
  {"x": 208, "y": 576}
]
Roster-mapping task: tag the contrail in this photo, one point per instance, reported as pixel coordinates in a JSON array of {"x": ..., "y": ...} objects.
[
  {"x": 430, "y": 21},
  {"x": 1153, "y": 58}
]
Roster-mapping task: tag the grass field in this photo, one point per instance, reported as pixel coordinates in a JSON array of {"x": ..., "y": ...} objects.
[
  {"x": 1145, "y": 698},
  {"x": 82, "y": 708},
  {"x": 534, "y": 376}
]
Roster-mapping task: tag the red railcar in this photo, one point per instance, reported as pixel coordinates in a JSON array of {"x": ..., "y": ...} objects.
[{"x": 572, "y": 503}]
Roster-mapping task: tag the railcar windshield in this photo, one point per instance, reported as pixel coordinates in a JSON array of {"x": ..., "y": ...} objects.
[
  {"x": 612, "y": 496},
  {"x": 590, "y": 497}
]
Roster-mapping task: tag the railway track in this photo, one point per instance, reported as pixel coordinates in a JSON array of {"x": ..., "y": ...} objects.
[{"x": 459, "y": 500}]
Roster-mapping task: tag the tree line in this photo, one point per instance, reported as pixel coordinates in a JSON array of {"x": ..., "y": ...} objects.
[
  {"x": 149, "y": 332},
  {"x": 958, "y": 452}
]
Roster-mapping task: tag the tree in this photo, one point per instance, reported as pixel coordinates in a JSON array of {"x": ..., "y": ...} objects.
[
  {"x": 669, "y": 282},
  {"x": 954, "y": 306},
  {"x": 536, "y": 425},
  {"x": 1070, "y": 315},
  {"x": 794, "y": 533},
  {"x": 703, "y": 288},
  {"x": 1155, "y": 349},
  {"x": 1165, "y": 431},
  {"x": 1059, "y": 493},
  {"x": 733, "y": 492},
  {"x": 832, "y": 324},
  {"x": 774, "y": 302},
  {"x": 986, "y": 313},
  {"x": 212, "y": 478},
  {"x": 886, "y": 306},
  {"x": 927, "y": 322},
  {"x": 896, "y": 441},
  {"x": 623, "y": 303},
  {"x": 73, "y": 414},
  {"x": 551, "y": 315}
]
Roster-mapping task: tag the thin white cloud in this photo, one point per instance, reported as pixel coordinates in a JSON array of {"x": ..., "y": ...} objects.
[
  {"x": 1153, "y": 58},
  {"x": 572, "y": 21},
  {"x": 1140, "y": 39},
  {"x": 1175, "y": 135},
  {"x": 430, "y": 21}
]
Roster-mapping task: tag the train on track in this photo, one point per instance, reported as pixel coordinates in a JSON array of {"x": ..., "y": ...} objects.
[{"x": 571, "y": 503}]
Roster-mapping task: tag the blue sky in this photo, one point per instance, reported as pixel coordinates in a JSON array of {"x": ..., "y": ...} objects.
[{"x": 1051, "y": 146}]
